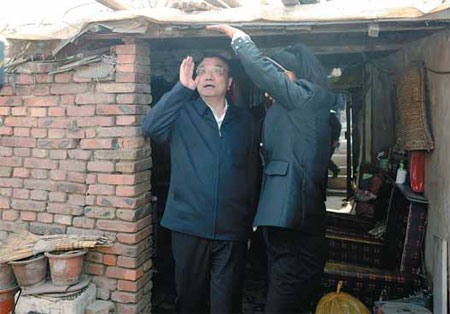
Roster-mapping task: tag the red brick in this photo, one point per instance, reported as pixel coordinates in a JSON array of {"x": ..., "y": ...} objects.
[
  {"x": 56, "y": 112},
  {"x": 83, "y": 222},
  {"x": 132, "y": 50},
  {"x": 39, "y": 195},
  {"x": 95, "y": 98},
  {"x": 81, "y": 111},
  {"x": 77, "y": 199},
  {"x": 67, "y": 100},
  {"x": 24, "y": 79},
  {"x": 131, "y": 77},
  {"x": 134, "y": 286},
  {"x": 40, "y": 163},
  {"x": 142, "y": 306},
  {"x": 41, "y": 90},
  {"x": 79, "y": 154},
  {"x": 23, "y": 90},
  {"x": 70, "y": 187},
  {"x": 94, "y": 269},
  {"x": 123, "y": 273},
  {"x": 6, "y": 91},
  {"x": 38, "y": 112},
  {"x": 39, "y": 173},
  {"x": 6, "y": 130},
  {"x": 126, "y": 297},
  {"x": 29, "y": 205},
  {"x": 38, "y": 133},
  {"x": 28, "y": 216},
  {"x": 110, "y": 260},
  {"x": 130, "y": 67},
  {"x": 17, "y": 142},
  {"x": 131, "y": 142},
  {"x": 121, "y": 202},
  {"x": 72, "y": 165},
  {"x": 64, "y": 77},
  {"x": 96, "y": 121},
  {"x": 99, "y": 212},
  {"x": 5, "y": 111},
  {"x": 119, "y": 132},
  {"x": 96, "y": 143},
  {"x": 77, "y": 177},
  {"x": 99, "y": 189},
  {"x": 40, "y": 153},
  {"x": 75, "y": 133},
  {"x": 57, "y": 196},
  {"x": 6, "y": 192},
  {"x": 37, "y": 67},
  {"x": 56, "y": 123},
  {"x": 11, "y": 101},
  {"x": 45, "y": 217},
  {"x": 128, "y": 120},
  {"x": 19, "y": 111},
  {"x": 10, "y": 162},
  {"x": 132, "y": 58},
  {"x": 91, "y": 133},
  {"x": 57, "y": 143},
  {"x": 46, "y": 185},
  {"x": 133, "y": 262},
  {"x": 100, "y": 166},
  {"x": 104, "y": 282},
  {"x": 123, "y": 88},
  {"x": 117, "y": 179},
  {"x": 58, "y": 175},
  {"x": 56, "y": 133},
  {"x": 64, "y": 209},
  {"x": 94, "y": 257},
  {"x": 24, "y": 132},
  {"x": 63, "y": 219},
  {"x": 22, "y": 152},
  {"x": 21, "y": 173},
  {"x": 4, "y": 202},
  {"x": 77, "y": 88},
  {"x": 20, "y": 122},
  {"x": 22, "y": 194},
  {"x": 117, "y": 109},
  {"x": 133, "y": 190},
  {"x": 10, "y": 215},
  {"x": 119, "y": 226},
  {"x": 44, "y": 101},
  {"x": 133, "y": 238},
  {"x": 58, "y": 154},
  {"x": 44, "y": 78},
  {"x": 42, "y": 228},
  {"x": 6, "y": 171},
  {"x": 135, "y": 99}
]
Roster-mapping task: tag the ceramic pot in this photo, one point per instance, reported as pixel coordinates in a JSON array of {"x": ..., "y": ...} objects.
[
  {"x": 66, "y": 267},
  {"x": 7, "y": 278},
  {"x": 30, "y": 271},
  {"x": 7, "y": 300}
]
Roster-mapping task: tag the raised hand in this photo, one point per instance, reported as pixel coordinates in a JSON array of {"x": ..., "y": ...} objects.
[
  {"x": 187, "y": 72},
  {"x": 225, "y": 29}
]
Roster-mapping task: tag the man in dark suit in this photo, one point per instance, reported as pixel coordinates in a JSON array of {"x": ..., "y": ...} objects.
[
  {"x": 295, "y": 148},
  {"x": 211, "y": 199}
]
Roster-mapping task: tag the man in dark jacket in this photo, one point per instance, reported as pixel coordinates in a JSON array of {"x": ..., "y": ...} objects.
[
  {"x": 211, "y": 199},
  {"x": 295, "y": 147}
]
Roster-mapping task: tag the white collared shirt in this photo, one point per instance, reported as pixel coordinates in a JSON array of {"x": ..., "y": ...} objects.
[{"x": 220, "y": 119}]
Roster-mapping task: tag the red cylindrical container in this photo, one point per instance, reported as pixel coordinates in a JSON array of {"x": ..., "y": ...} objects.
[{"x": 417, "y": 170}]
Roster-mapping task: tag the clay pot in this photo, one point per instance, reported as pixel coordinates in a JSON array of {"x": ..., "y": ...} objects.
[
  {"x": 30, "y": 271},
  {"x": 7, "y": 278},
  {"x": 65, "y": 268},
  {"x": 7, "y": 300}
]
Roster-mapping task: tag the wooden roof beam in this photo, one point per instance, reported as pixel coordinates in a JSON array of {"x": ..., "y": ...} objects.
[{"x": 115, "y": 5}]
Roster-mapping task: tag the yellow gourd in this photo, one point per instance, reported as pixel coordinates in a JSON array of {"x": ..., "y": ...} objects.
[{"x": 340, "y": 303}]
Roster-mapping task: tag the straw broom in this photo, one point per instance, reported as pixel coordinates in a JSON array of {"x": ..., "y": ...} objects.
[{"x": 23, "y": 244}]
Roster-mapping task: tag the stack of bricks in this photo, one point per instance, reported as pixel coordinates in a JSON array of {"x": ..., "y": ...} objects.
[{"x": 73, "y": 159}]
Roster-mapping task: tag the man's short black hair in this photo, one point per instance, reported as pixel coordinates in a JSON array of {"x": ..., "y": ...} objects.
[
  {"x": 300, "y": 60},
  {"x": 218, "y": 56}
]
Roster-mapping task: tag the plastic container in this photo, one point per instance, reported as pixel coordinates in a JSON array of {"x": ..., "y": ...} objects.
[
  {"x": 417, "y": 170},
  {"x": 401, "y": 174}
]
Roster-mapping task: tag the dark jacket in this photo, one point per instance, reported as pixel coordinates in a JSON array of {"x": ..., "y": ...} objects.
[
  {"x": 296, "y": 143},
  {"x": 212, "y": 185}
]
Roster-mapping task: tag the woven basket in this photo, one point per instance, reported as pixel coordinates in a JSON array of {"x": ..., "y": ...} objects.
[{"x": 413, "y": 132}]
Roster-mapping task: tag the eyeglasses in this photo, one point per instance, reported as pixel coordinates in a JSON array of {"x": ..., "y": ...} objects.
[
  {"x": 216, "y": 71},
  {"x": 277, "y": 65}
]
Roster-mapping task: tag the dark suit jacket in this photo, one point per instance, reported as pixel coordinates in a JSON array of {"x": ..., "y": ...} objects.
[
  {"x": 213, "y": 179},
  {"x": 296, "y": 144}
]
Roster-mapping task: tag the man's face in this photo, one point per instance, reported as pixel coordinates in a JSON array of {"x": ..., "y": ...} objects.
[{"x": 212, "y": 78}]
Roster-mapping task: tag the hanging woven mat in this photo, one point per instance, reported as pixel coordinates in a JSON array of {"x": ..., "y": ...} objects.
[{"x": 413, "y": 132}]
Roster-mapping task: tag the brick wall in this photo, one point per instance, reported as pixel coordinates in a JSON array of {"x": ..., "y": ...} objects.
[{"x": 73, "y": 160}]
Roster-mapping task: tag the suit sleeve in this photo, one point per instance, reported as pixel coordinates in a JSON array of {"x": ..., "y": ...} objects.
[
  {"x": 265, "y": 75},
  {"x": 158, "y": 122}
]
